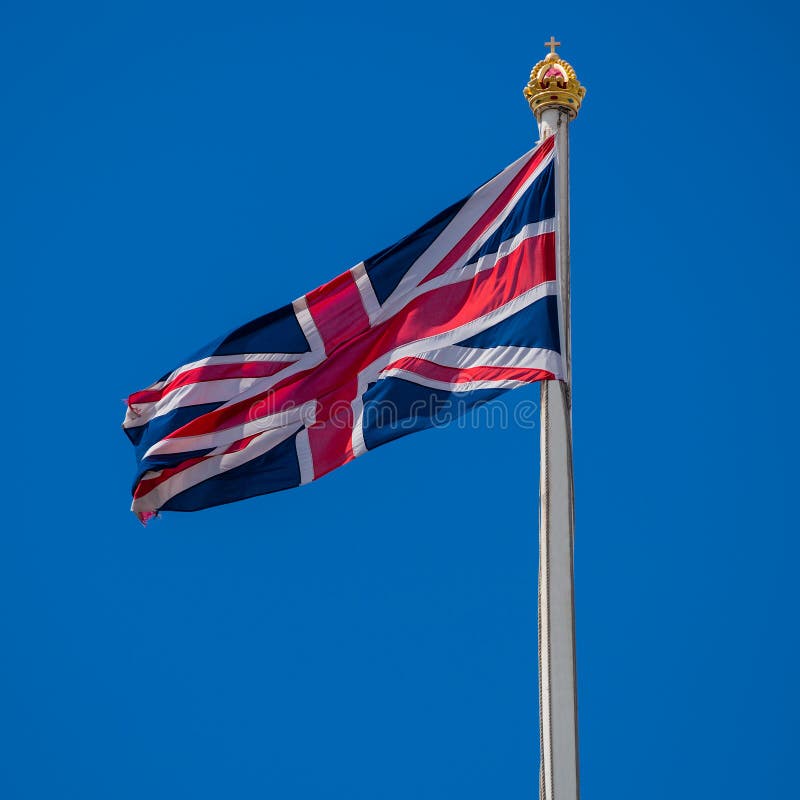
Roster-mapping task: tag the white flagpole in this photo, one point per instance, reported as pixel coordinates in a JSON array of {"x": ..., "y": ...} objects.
[{"x": 555, "y": 94}]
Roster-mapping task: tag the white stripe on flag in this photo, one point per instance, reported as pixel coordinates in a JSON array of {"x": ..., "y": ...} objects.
[
  {"x": 208, "y": 468},
  {"x": 472, "y": 211}
]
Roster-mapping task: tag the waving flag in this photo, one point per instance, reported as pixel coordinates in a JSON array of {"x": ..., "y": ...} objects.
[{"x": 452, "y": 315}]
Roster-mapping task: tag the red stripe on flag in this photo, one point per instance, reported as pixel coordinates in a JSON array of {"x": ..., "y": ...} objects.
[
  {"x": 211, "y": 372},
  {"x": 242, "y": 443},
  {"x": 491, "y": 213},
  {"x": 330, "y": 437},
  {"x": 448, "y": 307},
  {"x": 437, "y": 372},
  {"x": 146, "y": 485},
  {"x": 338, "y": 311}
]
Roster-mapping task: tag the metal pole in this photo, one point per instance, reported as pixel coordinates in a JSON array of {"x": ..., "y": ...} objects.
[
  {"x": 559, "y": 776},
  {"x": 555, "y": 94},
  {"x": 557, "y": 674}
]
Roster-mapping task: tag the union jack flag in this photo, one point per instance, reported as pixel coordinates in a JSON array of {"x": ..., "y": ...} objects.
[{"x": 457, "y": 312}]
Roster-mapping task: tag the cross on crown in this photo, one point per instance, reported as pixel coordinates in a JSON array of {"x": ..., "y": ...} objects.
[{"x": 552, "y": 44}]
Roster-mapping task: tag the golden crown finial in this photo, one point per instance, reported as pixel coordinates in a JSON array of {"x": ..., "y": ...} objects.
[{"x": 554, "y": 84}]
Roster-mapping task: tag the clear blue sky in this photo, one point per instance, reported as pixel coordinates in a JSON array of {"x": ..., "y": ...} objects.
[{"x": 171, "y": 170}]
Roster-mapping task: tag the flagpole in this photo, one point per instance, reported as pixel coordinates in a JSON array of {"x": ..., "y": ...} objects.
[{"x": 555, "y": 94}]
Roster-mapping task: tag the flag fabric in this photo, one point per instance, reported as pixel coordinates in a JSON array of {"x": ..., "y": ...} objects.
[{"x": 452, "y": 315}]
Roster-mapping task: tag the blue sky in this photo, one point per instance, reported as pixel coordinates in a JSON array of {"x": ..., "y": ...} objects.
[{"x": 172, "y": 170}]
